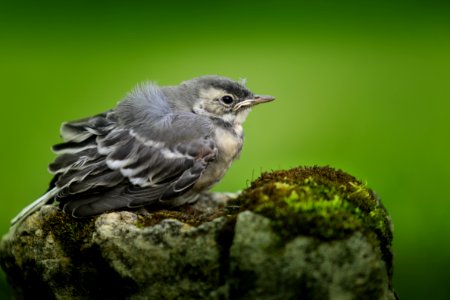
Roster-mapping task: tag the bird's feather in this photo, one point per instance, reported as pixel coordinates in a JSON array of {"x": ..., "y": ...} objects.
[{"x": 35, "y": 205}]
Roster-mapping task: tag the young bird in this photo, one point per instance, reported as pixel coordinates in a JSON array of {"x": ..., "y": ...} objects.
[{"x": 159, "y": 145}]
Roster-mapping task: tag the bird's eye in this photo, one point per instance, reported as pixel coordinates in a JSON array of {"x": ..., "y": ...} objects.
[{"x": 227, "y": 99}]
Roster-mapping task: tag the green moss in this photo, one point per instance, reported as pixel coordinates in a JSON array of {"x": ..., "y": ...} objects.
[
  {"x": 71, "y": 233},
  {"x": 157, "y": 216},
  {"x": 320, "y": 202},
  {"x": 186, "y": 214}
]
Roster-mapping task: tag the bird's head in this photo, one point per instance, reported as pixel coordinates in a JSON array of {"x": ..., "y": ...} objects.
[{"x": 222, "y": 98}]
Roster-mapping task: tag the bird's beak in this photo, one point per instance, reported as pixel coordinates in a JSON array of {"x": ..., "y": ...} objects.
[{"x": 257, "y": 99}]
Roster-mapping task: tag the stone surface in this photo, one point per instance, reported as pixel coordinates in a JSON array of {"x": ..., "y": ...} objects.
[
  {"x": 306, "y": 233},
  {"x": 303, "y": 268}
]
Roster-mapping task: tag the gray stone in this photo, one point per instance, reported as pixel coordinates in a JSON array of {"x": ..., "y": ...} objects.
[{"x": 263, "y": 267}]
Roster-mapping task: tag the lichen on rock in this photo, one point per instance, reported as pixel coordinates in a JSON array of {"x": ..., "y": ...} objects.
[{"x": 305, "y": 233}]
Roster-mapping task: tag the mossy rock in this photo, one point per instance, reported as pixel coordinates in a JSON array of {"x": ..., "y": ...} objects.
[
  {"x": 305, "y": 233},
  {"x": 322, "y": 206},
  {"x": 321, "y": 202}
]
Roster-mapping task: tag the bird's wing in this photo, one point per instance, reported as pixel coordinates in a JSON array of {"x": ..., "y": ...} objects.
[{"x": 139, "y": 154}]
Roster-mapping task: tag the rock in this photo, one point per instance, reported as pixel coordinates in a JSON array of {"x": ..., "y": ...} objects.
[{"x": 306, "y": 233}]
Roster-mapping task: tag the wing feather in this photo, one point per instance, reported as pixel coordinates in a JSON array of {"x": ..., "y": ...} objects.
[{"x": 139, "y": 154}]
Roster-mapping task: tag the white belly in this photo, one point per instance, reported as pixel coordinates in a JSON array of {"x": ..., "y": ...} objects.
[{"x": 229, "y": 146}]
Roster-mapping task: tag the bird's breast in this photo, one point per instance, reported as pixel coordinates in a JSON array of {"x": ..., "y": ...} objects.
[{"x": 229, "y": 144}]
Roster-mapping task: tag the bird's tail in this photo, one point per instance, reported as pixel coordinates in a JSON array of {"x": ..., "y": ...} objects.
[{"x": 34, "y": 206}]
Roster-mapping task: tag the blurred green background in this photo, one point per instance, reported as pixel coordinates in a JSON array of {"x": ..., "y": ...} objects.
[{"x": 361, "y": 87}]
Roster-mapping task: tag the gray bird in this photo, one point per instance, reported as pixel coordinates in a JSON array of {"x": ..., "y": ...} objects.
[{"x": 160, "y": 145}]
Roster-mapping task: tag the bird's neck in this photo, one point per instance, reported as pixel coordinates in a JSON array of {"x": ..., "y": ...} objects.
[{"x": 235, "y": 119}]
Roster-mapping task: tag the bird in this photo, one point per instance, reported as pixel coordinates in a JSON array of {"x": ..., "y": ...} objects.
[{"x": 161, "y": 145}]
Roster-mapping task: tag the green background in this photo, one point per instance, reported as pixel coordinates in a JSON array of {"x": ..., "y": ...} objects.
[{"x": 361, "y": 87}]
